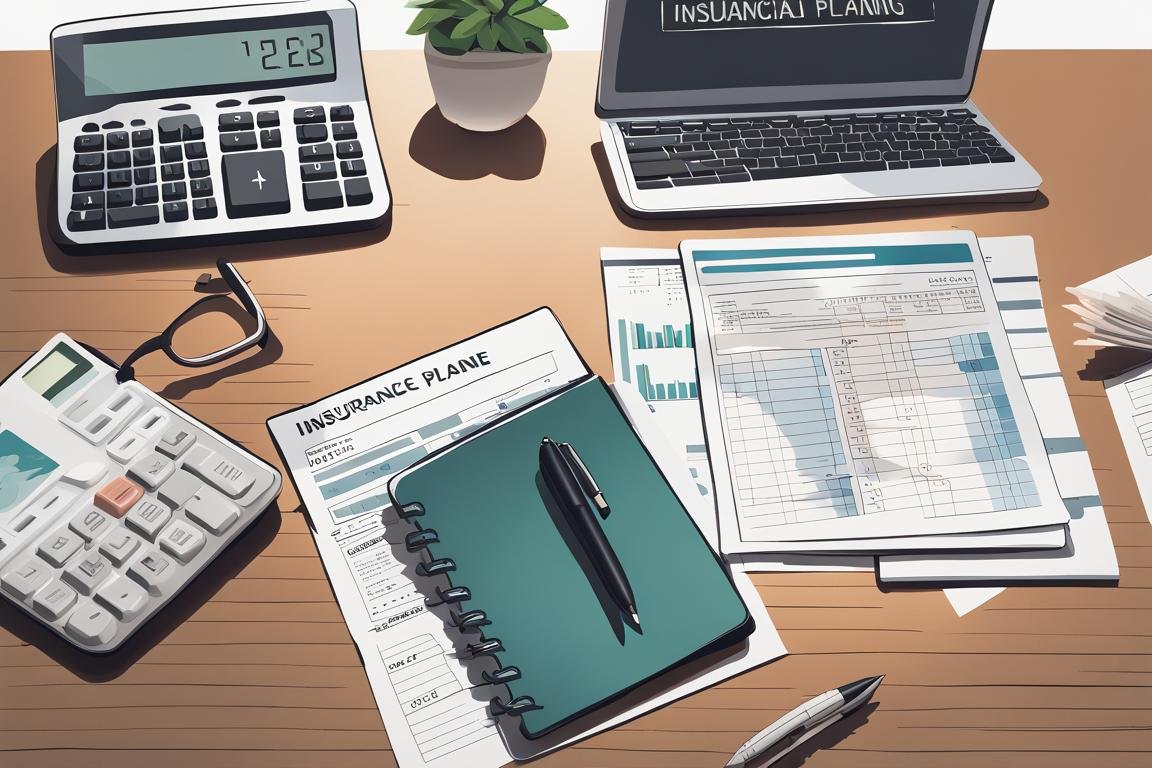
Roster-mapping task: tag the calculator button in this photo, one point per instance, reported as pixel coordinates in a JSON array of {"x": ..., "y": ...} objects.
[
  {"x": 314, "y": 153},
  {"x": 142, "y": 137},
  {"x": 175, "y": 190},
  {"x": 90, "y": 128},
  {"x": 306, "y": 134},
  {"x": 136, "y": 216},
  {"x": 144, "y": 175},
  {"x": 308, "y": 115},
  {"x": 198, "y": 169},
  {"x": 119, "y": 159},
  {"x": 24, "y": 578},
  {"x": 176, "y": 211},
  {"x": 59, "y": 545},
  {"x": 195, "y": 150},
  {"x": 148, "y": 517},
  {"x": 193, "y": 129},
  {"x": 180, "y": 128},
  {"x": 270, "y": 138},
  {"x": 238, "y": 142},
  {"x": 352, "y": 168},
  {"x": 218, "y": 471},
  {"x": 341, "y": 113},
  {"x": 86, "y": 181},
  {"x": 88, "y": 201},
  {"x": 317, "y": 171},
  {"x": 346, "y": 150},
  {"x": 118, "y": 546},
  {"x": 182, "y": 540},
  {"x": 145, "y": 156},
  {"x": 118, "y": 496},
  {"x": 89, "y": 162},
  {"x": 85, "y": 221},
  {"x": 255, "y": 184},
  {"x": 173, "y": 153},
  {"x": 201, "y": 187},
  {"x": 54, "y": 600},
  {"x": 153, "y": 571},
  {"x": 179, "y": 488},
  {"x": 204, "y": 208},
  {"x": 323, "y": 195},
  {"x": 118, "y": 140},
  {"x": 125, "y": 447},
  {"x": 152, "y": 470},
  {"x": 343, "y": 131},
  {"x": 86, "y": 474},
  {"x": 118, "y": 198},
  {"x": 212, "y": 511},
  {"x": 268, "y": 118},
  {"x": 358, "y": 191},
  {"x": 172, "y": 171},
  {"x": 119, "y": 178},
  {"x": 88, "y": 572},
  {"x": 89, "y": 143},
  {"x": 147, "y": 195},
  {"x": 90, "y": 624},
  {"x": 175, "y": 440},
  {"x": 90, "y": 523},
  {"x": 123, "y": 597},
  {"x": 236, "y": 121}
]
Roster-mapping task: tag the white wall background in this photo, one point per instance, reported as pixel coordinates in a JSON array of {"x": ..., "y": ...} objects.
[{"x": 1015, "y": 23}]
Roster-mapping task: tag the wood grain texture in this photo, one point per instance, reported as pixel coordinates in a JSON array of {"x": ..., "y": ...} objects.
[{"x": 253, "y": 666}]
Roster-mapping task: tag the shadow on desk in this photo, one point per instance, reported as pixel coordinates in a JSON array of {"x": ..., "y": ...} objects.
[
  {"x": 819, "y": 216},
  {"x": 198, "y": 252},
  {"x": 446, "y": 149},
  {"x": 1109, "y": 362},
  {"x": 829, "y": 737},
  {"x": 104, "y": 667}
]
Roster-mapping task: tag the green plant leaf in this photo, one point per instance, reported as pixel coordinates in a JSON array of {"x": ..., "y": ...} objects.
[
  {"x": 448, "y": 45},
  {"x": 487, "y": 36},
  {"x": 543, "y": 18},
  {"x": 538, "y": 42},
  {"x": 428, "y": 18},
  {"x": 470, "y": 24},
  {"x": 494, "y": 5},
  {"x": 509, "y": 38},
  {"x": 521, "y": 5}
]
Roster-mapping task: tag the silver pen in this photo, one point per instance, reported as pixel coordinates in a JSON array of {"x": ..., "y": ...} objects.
[{"x": 804, "y": 722}]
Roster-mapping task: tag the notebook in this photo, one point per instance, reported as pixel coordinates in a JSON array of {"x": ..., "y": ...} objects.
[{"x": 482, "y": 505}]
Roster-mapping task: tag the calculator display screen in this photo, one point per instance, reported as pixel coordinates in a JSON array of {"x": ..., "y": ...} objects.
[
  {"x": 241, "y": 57},
  {"x": 22, "y": 470},
  {"x": 57, "y": 371}
]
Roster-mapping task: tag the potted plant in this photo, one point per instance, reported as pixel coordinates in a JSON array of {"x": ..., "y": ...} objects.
[{"x": 486, "y": 58}]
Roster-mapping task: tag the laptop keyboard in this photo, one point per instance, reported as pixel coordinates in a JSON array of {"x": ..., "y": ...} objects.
[{"x": 682, "y": 153}]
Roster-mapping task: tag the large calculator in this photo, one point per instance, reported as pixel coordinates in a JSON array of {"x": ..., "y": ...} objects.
[
  {"x": 111, "y": 499},
  {"x": 220, "y": 125}
]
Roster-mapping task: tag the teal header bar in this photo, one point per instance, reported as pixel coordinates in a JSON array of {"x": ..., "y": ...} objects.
[{"x": 885, "y": 256}]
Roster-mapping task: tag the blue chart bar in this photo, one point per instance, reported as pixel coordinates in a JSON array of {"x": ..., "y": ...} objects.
[
  {"x": 673, "y": 390},
  {"x": 625, "y": 366},
  {"x": 668, "y": 337}
]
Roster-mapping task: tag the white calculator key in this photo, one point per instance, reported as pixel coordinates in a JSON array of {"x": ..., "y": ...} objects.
[
  {"x": 25, "y": 577},
  {"x": 88, "y": 572},
  {"x": 177, "y": 439},
  {"x": 87, "y": 474},
  {"x": 125, "y": 447},
  {"x": 152, "y": 469},
  {"x": 54, "y": 600},
  {"x": 212, "y": 511},
  {"x": 90, "y": 523},
  {"x": 182, "y": 540},
  {"x": 154, "y": 572},
  {"x": 179, "y": 488},
  {"x": 215, "y": 469},
  {"x": 59, "y": 545},
  {"x": 124, "y": 598},
  {"x": 119, "y": 545},
  {"x": 90, "y": 624},
  {"x": 151, "y": 423},
  {"x": 148, "y": 517},
  {"x": 53, "y": 501}
]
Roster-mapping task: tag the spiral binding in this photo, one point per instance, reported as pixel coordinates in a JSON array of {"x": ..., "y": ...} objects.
[{"x": 467, "y": 621}]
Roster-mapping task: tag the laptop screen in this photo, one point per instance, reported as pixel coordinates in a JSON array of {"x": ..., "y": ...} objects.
[{"x": 666, "y": 54}]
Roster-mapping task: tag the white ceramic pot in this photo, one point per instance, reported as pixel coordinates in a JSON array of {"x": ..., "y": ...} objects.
[{"x": 486, "y": 90}]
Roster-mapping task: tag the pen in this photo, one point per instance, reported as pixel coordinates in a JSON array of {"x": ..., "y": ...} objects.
[
  {"x": 586, "y": 480},
  {"x": 562, "y": 479},
  {"x": 804, "y": 722}
]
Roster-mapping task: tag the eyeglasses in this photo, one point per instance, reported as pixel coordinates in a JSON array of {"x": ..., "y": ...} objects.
[{"x": 219, "y": 303}]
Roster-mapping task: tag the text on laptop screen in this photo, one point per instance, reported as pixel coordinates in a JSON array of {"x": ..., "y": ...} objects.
[{"x": 687, "y": 45}]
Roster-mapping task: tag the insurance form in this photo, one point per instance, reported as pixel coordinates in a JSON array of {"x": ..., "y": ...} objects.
[{"x": 859, "y": 387}]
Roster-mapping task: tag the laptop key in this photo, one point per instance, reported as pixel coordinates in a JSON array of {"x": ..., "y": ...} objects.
[
  {"x": 641, "y": 143},
  {"x": 642, "y": 129},
  {"x": 639, "y": 157},
  {"x": 695, "y": 181},
  {"x": 659, "y": 170},
  {"x": 658, "y": 184},
  {"x": 924, "y": 163}
]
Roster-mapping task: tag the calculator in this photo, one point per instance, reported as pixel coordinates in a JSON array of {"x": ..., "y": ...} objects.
[
  {"x": 111, "y": 499},
  {"x": 220, "y": 124}
]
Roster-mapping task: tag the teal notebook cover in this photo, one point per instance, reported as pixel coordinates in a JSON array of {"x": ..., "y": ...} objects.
[{"x": 495, "y": 517}]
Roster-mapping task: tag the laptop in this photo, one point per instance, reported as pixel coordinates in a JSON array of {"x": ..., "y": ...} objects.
[{"x": 731, "y": 107}]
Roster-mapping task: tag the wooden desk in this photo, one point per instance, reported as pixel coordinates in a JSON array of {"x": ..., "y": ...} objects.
[{"x": 259, "y": 670}]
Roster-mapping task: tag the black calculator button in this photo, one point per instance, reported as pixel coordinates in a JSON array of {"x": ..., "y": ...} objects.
[
  {"x": 315, "y": 153},
  {"x": 172, "y": 172},
  {"x": 136, "y": 122},
  {"x": 85, "y": 181},
  {"x": 89, "y": 143},
  {"x": 322, "y": 195},
  {"x": 201, "y": 187},
  {"x": 341, "y": 113},
  {"x": 118, "y": 198},
  {"x": 169, "y": 128},
  {"x": 174, "y": 190},
  {"x": 268, "y": 118},
  {"x": 89, "y": 162},
  {"x": 198, "y": 169},
  {"x": 342, "y": 131},
  {"x": 180, "y": 128},
  {"x": 270, "y": 138},
  {"x": 146, "y": 156},
  {"x": 90, "y": 128},
  {"x": 193, "y": 130},
  {"x": 176, "y": 211},
  {"x": 118, "y": 140},
  {"x": 347, "y": 150},
  {"x": 136, "y": 216},
  {"x": 204, "y": 208},
  {"x": 121, "y": 158},
  {"x": 147, "y": 195},
  {"x": 308, "y": 115},
  {"x": 145, "y": 175},
  {"x": 142, "y": 137},
  {"x": 195, "y": 150},
  {"x": 111, "y": 124},
  {"x": 236, "y": 121},
  {"x": 358, "y": 191},
  {"x": 174, "y": 153},
  {"x": 352, "y": 168},
  {"x": 87, "y": 201},
  {"x": 255, "y": 184},
  {"x": 119, "y": 178},
  {"x": 317, "y": 171},
  {"x": 306, "y": 134},
  {"x": 84, "y": 221},
  {"x": 238, "y": 142}
]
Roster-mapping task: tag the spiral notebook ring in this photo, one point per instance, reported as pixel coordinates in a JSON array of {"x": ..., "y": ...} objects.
[
  {"x": 436, "y": 567},
  {"x": 501, "y": 676},
  {"x": 409, "y": 511},
  {"x": 489, "y": 647},
  {"x": 517, "y": 706},
  {"x": 452, "y": 595},
  {"x": 418, "y": 540}
]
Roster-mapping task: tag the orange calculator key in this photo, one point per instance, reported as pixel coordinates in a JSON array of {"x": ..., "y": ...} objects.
[{"x": 119, "y": 496}]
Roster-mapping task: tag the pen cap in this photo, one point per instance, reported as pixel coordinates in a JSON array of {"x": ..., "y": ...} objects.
[{"x": 559, "y": 476}]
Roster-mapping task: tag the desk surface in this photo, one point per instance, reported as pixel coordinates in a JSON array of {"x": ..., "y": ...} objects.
[{"x": 259, "y": 669}]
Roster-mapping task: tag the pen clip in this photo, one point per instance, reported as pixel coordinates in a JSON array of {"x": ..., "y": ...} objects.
[{"x": 584, "y": 476}]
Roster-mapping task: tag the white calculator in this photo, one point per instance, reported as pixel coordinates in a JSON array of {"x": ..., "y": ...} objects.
[
  {"x": 111, "y": 499},
  {"x": 219, "y": 125}
]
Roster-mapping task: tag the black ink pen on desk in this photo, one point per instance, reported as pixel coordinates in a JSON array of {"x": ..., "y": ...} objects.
[{"x": 569, "y": 481}]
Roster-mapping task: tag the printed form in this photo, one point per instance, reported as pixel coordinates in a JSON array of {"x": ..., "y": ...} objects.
[{"x": 861, "y": 387}]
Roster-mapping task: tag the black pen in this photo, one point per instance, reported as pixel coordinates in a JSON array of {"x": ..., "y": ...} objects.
[{"x": 563, "y": 481}]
